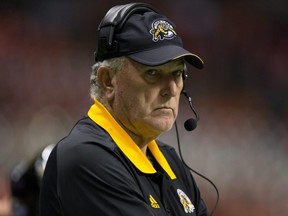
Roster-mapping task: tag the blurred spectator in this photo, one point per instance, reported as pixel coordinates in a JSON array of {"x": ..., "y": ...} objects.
[{"x": 25, "y": 180}]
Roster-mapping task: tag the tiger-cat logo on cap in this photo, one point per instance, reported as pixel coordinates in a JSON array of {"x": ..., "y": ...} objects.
[{"x": 162, "y": 30}]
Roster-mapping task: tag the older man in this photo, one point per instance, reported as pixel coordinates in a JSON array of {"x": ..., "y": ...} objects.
[{"x": 110, "y": 163}]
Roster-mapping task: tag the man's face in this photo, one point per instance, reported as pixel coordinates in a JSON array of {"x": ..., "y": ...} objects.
[{"x": 146, "y": 98}]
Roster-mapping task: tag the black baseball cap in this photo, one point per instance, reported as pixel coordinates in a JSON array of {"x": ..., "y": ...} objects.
[{"x": 146, "y": 37}]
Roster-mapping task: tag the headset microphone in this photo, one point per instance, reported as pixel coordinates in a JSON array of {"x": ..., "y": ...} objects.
[{"x": 190, "y": 124}]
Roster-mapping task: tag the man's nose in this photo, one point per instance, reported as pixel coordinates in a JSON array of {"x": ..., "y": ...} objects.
[{"x": 169, "y": 87}]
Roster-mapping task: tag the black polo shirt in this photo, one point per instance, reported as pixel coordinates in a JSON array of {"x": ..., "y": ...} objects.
[{"x": 98, "y": 170}]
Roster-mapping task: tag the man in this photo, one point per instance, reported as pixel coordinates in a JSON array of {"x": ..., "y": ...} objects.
[{"x": 110, "y": 163}]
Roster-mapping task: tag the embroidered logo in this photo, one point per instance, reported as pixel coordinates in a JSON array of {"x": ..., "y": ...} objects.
[
  {"x": 185, "y": 201},
  {"x": 161, "y": 30},
  {"x": 153, "y": 202}
]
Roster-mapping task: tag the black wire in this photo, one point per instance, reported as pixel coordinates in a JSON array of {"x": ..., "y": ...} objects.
[{"x": 204, "y": 177}]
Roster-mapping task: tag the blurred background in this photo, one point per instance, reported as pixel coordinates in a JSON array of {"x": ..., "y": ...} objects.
[{"x": 241, "y": 142}]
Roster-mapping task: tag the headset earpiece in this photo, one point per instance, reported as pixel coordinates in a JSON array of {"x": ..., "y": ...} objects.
[
  {"x": 185, "y": 74},
  {"x": 112, "y": 22}
]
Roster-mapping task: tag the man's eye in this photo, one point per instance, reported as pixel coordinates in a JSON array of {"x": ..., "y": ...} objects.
[
  {"x": 151, "y": 73},
  {"x": 178, "y": 73}
]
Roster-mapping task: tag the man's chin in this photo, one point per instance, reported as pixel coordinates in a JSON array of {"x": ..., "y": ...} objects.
[{"x": 162, "y": 126}]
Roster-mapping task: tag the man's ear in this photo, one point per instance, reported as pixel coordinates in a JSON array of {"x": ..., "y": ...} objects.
[{"x": 104, "y": 77}]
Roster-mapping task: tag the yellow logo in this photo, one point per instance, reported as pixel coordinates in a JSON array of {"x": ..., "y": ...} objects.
[
  {"x": 153, "y": 202},
  {"x": 161, "y": 30},
  {"x": 187, "y": 204}
]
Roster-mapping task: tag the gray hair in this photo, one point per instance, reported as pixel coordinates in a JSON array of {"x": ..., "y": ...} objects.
[{"x": 113, "y": 64}]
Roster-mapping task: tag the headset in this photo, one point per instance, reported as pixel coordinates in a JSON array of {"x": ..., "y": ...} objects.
[
  {"x": 112, "y": 23},
  {"x": 190, "y": 124}
]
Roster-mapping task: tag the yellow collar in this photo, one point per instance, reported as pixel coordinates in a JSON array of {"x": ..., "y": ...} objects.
[{"x": 100, "y": 115}]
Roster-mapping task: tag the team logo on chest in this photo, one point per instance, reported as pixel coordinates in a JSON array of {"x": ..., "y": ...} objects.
[
  {"x": 185, "y": 201},
  {"x": 161, "y": 30}
]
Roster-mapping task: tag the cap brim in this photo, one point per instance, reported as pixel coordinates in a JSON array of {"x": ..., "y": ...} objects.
[{"x": 162, "y": 55}]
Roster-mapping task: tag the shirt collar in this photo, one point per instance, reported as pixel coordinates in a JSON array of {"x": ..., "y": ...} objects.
[{"x": 101, "y": 116}]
